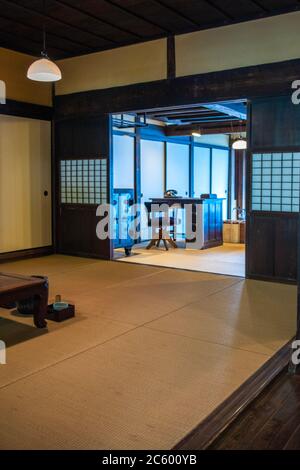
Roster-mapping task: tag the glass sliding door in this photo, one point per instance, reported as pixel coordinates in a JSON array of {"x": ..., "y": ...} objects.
[
  {"x": 201, "y": 171},
  {"x": 123, "y": 161},
  {"x": 220, "y": 169},
  {"x": 152, "y": 177},
  {"x": 178, "y": 177},
  {"x": 123, "y": 184},
  {"x": 178, "y": 167}
]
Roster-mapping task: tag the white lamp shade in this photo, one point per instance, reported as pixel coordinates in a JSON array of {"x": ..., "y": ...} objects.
[
  {"x": 239, "y": 144},
  {"x": 44, "y": 70}
]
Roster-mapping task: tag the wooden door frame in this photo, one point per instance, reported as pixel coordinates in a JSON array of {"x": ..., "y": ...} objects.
[{"x": 269, "y": 80}]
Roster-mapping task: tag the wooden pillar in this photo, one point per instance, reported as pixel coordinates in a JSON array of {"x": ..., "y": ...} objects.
[
  {"x": 293, "y": 368},
  {"x": 171, "y": 58},
  {"x": 137, "y": 166},
  {"x": 191, "y": 168},
  {"x": 239, "y": 178}
]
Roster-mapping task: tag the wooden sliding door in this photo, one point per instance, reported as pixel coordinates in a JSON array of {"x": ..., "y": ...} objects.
[
  {"x": 83, "y": 175},
  {"x": 25, "y": 184},
  {"x": 273, "y": 189}
]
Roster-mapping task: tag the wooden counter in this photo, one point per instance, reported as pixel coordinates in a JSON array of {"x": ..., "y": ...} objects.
[{"x": 211, "y": 218}]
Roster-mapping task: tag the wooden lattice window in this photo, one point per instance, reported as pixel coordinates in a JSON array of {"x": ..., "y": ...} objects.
[
  {"x": 276, "y": 182},
  {"x": 83, "y": 181}
]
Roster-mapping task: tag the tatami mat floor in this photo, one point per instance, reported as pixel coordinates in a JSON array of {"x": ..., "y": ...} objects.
[
  {"x": 227, "y": 259},
  {"x": 151, "y": 352}
]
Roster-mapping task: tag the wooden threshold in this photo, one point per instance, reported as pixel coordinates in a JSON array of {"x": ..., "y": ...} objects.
[
  {"x": 25, "y": 254},
  {"x": 219, "y": 420}
]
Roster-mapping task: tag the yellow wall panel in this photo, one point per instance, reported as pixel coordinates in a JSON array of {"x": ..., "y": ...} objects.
[
  {"x": 257, "y": 42},
  {"x": 13, "y": 69},
  {"x": 123, "y": 66},
  {"x": 25, "y": 173}
]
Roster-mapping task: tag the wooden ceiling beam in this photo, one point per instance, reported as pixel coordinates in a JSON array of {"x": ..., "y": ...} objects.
[
  {"x": 79, "y": 27},
  {"x": 8, "y": 41},
  {"x": 204, "y": 119},
  {"x": 30, "y": 38},
  {"x": 184, "y": 111},
  {"x": 221, "y": 127},
  {"x": 47, "y": 17},
  {"x": 220, "y": 10},
  {"x": 139, "y": 17},
  {"x": 259, "y": 5},
  {"x": 194, "y": 24},
  {"x": 234, "y": 110},
  {"x": 97, "y": 18}
]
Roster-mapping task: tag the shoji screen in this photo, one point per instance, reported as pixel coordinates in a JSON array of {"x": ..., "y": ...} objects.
[
  {"x": 152, "y": 174},
  {"x": 220, "y": 167},
  {"x": 25, "y": 174},
  {"x": 123, "y": 162},
  {"x": 201, "y": 171},
  {"x": 178, "y": 168},
  {"x": 276, "y": 182}
]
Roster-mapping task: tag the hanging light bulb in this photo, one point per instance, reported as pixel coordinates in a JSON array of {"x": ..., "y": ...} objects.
[
  {"x": 240, "y": 144},
  {"x": 43, "y": 69}
]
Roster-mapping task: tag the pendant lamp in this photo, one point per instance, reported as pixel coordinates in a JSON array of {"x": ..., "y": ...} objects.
[
  {"x": 239, "y": 144},
  {"x": 43, "y": 69}
]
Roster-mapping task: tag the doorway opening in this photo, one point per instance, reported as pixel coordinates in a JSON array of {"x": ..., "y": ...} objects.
[{"x": 184, "y": 157}]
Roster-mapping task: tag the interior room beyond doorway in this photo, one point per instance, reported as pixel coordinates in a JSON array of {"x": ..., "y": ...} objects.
[{"x": 191, "y": 158}]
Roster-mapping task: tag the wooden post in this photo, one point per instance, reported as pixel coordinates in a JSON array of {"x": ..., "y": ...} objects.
[
  {"x": 171, "y": 58},
  {"x": 293, "y": 368},
  {"x": 298, "y": 282}
]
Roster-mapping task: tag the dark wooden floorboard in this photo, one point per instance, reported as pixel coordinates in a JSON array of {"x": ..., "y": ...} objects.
[
  {"x": 272, "y": 421},
  {"x": 294, "y": 442}
]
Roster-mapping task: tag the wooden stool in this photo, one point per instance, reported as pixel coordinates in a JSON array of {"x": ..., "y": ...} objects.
[{"x": 159, "y": 222}]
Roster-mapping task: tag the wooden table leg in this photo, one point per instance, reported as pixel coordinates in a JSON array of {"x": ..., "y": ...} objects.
[
  {"x": 151, "y": 244},
  {"x": 166, "y": 245},
  {"x": 172, "y": 243},
  {"x": 39, "y": 315}
]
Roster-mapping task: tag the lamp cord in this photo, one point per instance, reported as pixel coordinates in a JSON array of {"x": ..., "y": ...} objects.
[{"x": 44, "y": 51}]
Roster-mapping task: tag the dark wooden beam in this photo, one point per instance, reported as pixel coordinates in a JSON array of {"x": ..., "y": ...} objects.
[
  {"x": 220, "y": 10},
  {"x": 170, "y": 112},
  {"x": 206, "y": 128},
  {"x": 140, "y": 17},
  {"x": 47, "y": 17},
  {"x": 13, "y": 40},
  {"x": 260, "y": 6},
  {"x": 28, "y": 110},
  {"x": 171, "y": 57},
  {"x": 244, "y": 83},
  {"x": 11, "y": 27},
  {"x": 194, "y": 24},
  {"x": 97, "y": 18}
]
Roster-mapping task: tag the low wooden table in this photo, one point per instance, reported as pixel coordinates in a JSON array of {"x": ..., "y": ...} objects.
[{"x": 14, "y": 287}]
